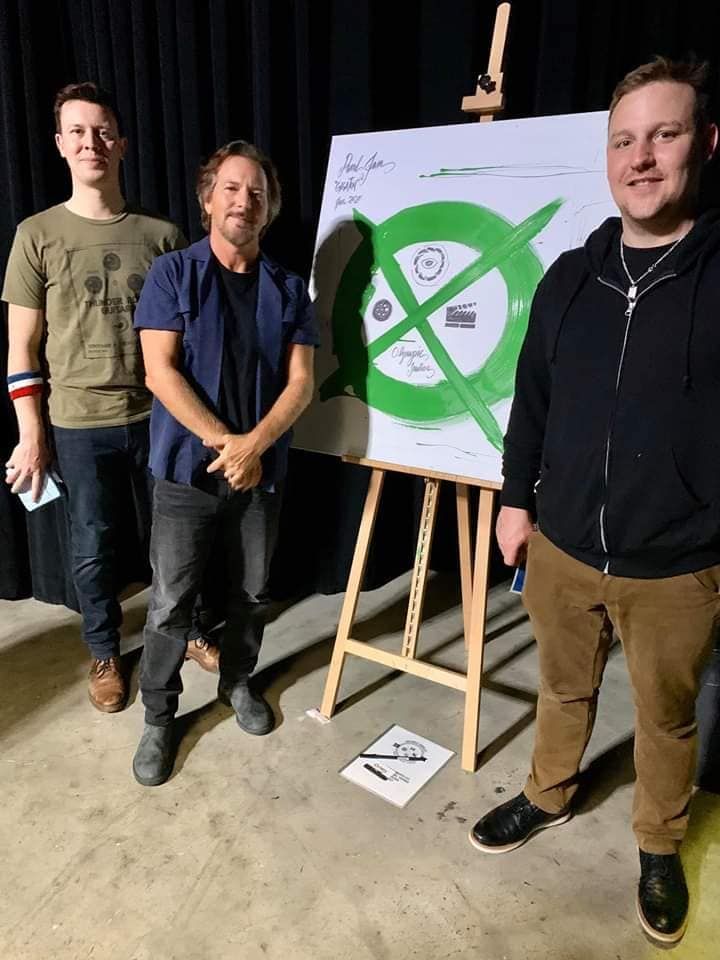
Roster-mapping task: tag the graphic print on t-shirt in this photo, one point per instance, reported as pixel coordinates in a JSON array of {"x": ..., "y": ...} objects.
[{"x": 107, "y": 281}]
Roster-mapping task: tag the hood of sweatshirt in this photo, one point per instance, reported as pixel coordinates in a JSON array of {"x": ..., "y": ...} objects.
[{"x": 690, "y": 257}]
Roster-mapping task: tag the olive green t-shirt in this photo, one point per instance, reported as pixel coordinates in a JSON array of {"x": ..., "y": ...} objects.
[{"x": 87, "y": 275}]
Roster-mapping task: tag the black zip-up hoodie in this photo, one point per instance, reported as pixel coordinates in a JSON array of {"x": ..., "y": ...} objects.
[{"x": 614, "y": 433}]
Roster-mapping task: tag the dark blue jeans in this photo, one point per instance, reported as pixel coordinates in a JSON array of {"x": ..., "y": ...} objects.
[
  {"x": 188, "y": 524},
  {"x": 99, "y": 466}
]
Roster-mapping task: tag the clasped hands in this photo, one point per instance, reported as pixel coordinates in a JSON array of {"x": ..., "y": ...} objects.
[{"x": 238, "y": 459}]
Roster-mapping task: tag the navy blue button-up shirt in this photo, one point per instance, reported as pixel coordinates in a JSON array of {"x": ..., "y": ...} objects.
[{"x": 182, "y": 292}]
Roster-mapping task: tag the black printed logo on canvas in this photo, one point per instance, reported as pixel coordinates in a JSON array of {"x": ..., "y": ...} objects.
[
  {"x": 430, "y": 265},
  {"x": 382, "y": 310},
  {"x": 461, "y": 315}
]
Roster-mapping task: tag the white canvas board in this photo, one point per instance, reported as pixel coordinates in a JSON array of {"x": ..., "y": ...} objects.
[
  {"x": 397, "y": 765},
  {"x": 430, "y": 245}
]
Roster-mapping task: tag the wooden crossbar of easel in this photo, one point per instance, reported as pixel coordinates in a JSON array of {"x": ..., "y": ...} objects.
[{"x": 487, "y": 102}]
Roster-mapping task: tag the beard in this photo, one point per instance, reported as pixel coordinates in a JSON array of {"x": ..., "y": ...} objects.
[{"x": 239, "y": 231}]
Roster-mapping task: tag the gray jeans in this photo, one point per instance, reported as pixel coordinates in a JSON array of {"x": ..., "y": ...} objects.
[{"x": 188, "y": 524}]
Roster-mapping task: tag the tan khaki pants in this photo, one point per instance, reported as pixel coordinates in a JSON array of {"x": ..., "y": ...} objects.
[{"x": 666, "y": 627}]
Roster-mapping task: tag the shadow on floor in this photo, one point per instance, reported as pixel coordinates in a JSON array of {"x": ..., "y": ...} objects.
[
  {"x": 604, "y": 774},
  {"x": 47, "y": 664},
  {"x": 278, "y": 676}
]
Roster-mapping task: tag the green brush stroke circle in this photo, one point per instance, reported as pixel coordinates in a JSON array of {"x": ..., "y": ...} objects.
[{"x": 478, "y": 228}]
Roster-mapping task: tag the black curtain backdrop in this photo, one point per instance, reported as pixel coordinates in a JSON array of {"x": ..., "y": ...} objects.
[{"x": 189, "y": 75}]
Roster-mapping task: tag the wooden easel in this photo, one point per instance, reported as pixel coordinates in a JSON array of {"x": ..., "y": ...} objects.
[{"x": 487, "y": 102}]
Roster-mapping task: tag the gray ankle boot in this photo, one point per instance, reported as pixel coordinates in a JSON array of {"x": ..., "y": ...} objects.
[
  {"x": 252, "y": 711},
  {"x": 155, "y": 755}
]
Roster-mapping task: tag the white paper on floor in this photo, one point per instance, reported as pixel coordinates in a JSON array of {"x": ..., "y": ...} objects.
[{"x": 397, "y": 765}]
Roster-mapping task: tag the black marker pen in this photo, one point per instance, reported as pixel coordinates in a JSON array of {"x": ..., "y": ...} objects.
[{"x": 372, "y": 769}]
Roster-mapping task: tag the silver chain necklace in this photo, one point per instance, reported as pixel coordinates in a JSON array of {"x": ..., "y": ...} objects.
[{"x": 633, "y": 289}]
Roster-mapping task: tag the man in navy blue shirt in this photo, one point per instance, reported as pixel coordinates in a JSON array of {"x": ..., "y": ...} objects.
[{"x": 228, "y": 338}]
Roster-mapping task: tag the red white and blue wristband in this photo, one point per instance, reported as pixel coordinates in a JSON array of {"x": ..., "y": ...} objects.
[{"x": 26, "y": 384}]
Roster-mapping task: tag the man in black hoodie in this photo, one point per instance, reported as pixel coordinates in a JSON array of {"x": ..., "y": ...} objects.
[{"x": 612, "y": 479}]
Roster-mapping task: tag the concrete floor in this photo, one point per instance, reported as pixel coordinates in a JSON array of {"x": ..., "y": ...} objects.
[{"x": 257, "y": 850}]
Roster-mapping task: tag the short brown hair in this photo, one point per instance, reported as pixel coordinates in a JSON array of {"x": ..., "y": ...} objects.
[
  {"x": 89, "y": 92},
  {"x": 661, "y": 69},
  {"x": 207, "y": 175}
]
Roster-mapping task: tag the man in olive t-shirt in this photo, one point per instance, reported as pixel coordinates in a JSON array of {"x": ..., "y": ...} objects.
[
  {"x": 86, "y": 274},
  {"x": 73, "y": 278}
]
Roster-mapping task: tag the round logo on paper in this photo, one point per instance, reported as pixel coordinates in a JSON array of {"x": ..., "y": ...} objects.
[
  {"x": 409, "y": 750},
  {"x": 430, "y": 265},
  {"x": 93, "y": 285},
  {"x": 382, "y": 310}
]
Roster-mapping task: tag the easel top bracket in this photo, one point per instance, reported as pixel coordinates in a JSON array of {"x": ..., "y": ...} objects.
[{"x": 489, "y": 98}]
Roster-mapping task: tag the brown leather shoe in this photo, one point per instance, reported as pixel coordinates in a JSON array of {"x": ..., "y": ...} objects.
[
  {"x": 205, "y": 653},
  {"x": 107, "y": 688}
]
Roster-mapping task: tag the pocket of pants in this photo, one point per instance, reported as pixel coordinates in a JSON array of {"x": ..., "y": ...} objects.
[{"x": 708, "y": 579}]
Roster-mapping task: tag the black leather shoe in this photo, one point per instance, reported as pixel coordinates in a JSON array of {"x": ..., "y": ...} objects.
[
  {"x": 662, "y": 901},
  {"x": 154, "y": 757},
  {"x": 252, "y": 711},
  {"x": 512, "y": 823}
]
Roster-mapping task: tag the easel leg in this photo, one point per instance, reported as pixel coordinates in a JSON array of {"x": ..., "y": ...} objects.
[
  {"x": 462, "y": 497},
  {"x": 357, "y": 573},
  {"x": 477, "y": 631}
]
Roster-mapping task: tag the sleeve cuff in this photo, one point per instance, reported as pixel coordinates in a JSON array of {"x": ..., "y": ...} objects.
[
  {"x": 170, "y": 324},
  {"x": 518, "y": 493},
  {"x": 305, "y": 339}
]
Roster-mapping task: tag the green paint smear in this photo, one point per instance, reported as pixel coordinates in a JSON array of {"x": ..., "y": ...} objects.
[
  {"x": 457, "y": 172},
  {"x": 500, "y": 245}
]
